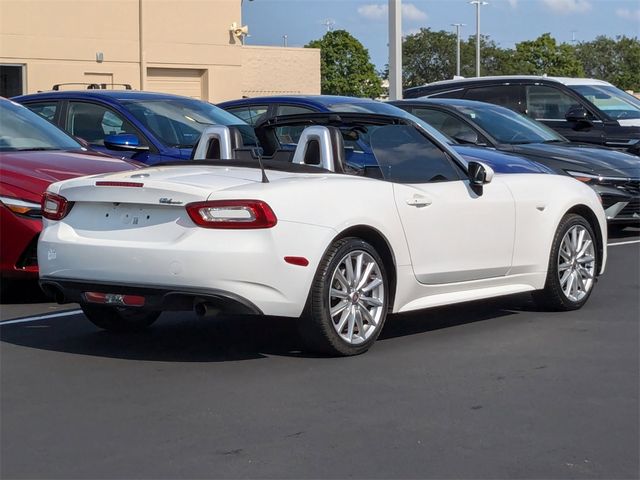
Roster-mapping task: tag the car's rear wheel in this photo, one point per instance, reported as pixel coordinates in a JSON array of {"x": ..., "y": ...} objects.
[
  {"x": 119, "y": 319},
  {"x": 348, "y": 302},
  {"x": 572, "y": 267}
]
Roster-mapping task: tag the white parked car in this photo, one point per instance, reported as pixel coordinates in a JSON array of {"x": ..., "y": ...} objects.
[{"x": 308, "y": 236}]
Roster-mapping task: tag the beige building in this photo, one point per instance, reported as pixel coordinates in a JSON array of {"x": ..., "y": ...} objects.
[{"x": 188, "y": 47}]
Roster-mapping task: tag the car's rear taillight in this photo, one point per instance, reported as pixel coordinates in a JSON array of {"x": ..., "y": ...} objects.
[
  {"x": 55, "y": 207},
  {"x": 232, "y": 214}
]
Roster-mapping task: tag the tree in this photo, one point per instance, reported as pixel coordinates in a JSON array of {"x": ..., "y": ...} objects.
[
  {"x": 544, "y": 56},
  {"x": 430, "y": 56},
  {"x": 614, "y": 60},
  {"x": 345, "y": 66}
]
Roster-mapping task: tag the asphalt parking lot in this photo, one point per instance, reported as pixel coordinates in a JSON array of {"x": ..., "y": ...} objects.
[{"x": 491, "y": 389}]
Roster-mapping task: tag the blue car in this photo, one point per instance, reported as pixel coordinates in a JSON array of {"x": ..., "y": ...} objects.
[
  {"x": 143, "y": 126},
  {"x": 257, "y": 109}
]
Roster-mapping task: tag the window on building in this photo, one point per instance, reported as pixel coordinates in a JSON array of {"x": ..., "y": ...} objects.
[{"x": 11, "y": 80}]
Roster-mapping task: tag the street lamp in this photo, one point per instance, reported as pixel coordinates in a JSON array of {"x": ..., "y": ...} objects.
[
  {"x": 285, "y": 37},
  {"x": 478, "y": 4},
  {"x": 458, "y": 25}
]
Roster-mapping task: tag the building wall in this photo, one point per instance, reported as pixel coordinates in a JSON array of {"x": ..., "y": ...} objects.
[
  {"x": 280, "y": 71},
  {"x": 58, "y": 41}
]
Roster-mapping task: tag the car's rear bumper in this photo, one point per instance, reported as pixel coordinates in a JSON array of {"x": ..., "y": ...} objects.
[{"x": 155, "y": 297}]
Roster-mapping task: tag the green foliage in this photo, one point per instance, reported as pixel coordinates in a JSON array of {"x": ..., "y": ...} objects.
[
  {"x": 345, "y": 66},
  {"x": 615, "y": 60},
  {"x": 430, "y": 56},
  {"x": 544, "y": 55}
]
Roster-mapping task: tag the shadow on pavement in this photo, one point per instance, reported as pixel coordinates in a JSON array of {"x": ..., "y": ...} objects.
[
  {"x": 15, "y": 292},
  {"x": 628, "y": 233},
  {"x": 182, "y": 337}
]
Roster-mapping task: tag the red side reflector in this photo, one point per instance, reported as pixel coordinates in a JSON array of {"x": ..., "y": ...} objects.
[
  {"x": 119, "y": 184},
  {"x": 300, "y": 261},
  {"x": 114, "y": 299}
]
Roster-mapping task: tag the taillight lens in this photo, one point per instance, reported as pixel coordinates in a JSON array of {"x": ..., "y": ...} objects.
[
  {"x": 54, "y": 207},
  {"x": 232, "y": 214}
]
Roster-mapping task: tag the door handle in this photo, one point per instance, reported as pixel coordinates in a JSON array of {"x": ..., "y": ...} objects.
[{"x": 418, "y": 201}]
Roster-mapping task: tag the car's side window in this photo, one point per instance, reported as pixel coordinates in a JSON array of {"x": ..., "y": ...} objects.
[
  {"x": 510, "y": 96},
  {"x": 46, "y": 110},
  {"x": 292, "y": 110},
  {"x": 404, "y": 155},
  {"x": 446, "y": 123},
  {"x": 548, "y": 103},
  {"x": 93, "y": 122},
  {"x": 252, "y": 114}
]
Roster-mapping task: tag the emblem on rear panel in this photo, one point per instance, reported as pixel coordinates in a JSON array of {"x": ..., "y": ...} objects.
[{"x": 170, "y": 201}]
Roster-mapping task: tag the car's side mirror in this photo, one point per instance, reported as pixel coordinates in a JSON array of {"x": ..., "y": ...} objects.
[
  {"x": 577, "y": 114},
  {"x": 479, "y": 173},
  {"x": 124, "y": 141},
  {"x": 468, "y": 137}
]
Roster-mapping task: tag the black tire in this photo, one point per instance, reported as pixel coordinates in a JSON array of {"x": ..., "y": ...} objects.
[
  {"x": 119, "y": 319},
  {"x": 552, "y": 297},
  {"x": 316, "y": 324}
]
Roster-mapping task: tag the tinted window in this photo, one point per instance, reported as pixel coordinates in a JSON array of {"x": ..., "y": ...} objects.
[
  {"x": 46, "y": 110},
  {"x": 548, "y": 103},
  {"x": 507, "y": 126},
  {"x": 292, "y": 110},
  {"x": 406, "y": 156},
  {"x": 21, "y": 129},
  {"x": 510, "y": 96},
  {"x": 252, "y": 114},
  {"x": 446, "y": 123},
  {"x": 178, "y": 122},
  {"x": 93, "y": 122},
  {"x": 449, "y": 94},
  {"x": 612, "y": 101}
]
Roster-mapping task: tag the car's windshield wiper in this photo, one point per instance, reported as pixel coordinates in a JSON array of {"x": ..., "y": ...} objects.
[{"x": 557, "y": 140}]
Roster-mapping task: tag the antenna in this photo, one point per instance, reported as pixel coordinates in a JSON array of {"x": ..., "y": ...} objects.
[
  {"x": 329, "y": 23},
  {"x": 257, "y": 151}
]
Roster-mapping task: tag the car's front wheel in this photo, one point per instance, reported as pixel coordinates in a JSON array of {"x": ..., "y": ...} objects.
[
  {"x": 572, "y": 269},
  {"x": 348, "y": 302},
  {"x": 119, "y": 319}
]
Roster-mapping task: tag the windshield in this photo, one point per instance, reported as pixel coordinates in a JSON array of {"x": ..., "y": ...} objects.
[
  {"x": 23, "y": 130},
  {"x": 612, "y": 101},
  {"x": 507, "y": 126},
  {"x": 178, "y": 122}
]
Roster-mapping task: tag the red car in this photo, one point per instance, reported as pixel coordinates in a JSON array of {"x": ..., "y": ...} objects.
[{"x": 33, "y": 154}]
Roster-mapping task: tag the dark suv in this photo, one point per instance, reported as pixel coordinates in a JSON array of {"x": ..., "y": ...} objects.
[{"x": 580, "y": 109}]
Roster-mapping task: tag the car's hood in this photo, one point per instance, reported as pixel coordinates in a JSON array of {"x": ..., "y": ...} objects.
[
  {"x": 34, "y": 171},
  {"x": 582, "y": 158},
  {"x": 500, "y": 162}
]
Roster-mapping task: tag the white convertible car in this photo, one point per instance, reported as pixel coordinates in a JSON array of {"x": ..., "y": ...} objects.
[{"x": 298, "y": 232}]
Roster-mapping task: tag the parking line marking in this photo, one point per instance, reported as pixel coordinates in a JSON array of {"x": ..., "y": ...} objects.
[
  {"x": 41, "y": 317},
  {"x": 622, "y": 243}
]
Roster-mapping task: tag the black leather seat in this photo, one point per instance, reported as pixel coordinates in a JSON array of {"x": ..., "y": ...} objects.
[{"x": 337, "y": 150}]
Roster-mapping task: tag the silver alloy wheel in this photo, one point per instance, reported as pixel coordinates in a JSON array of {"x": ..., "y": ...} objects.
[
  {"x": 356, "y": 297},
  {"x": 576, "y": 263}
]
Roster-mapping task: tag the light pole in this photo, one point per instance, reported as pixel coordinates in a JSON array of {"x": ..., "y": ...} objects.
[
  {"x": 478, "y": 4},
  {"x": 285, "y": 37},
  {"x": 458, "y": 25},
  {"x": 395, "y": 49}
]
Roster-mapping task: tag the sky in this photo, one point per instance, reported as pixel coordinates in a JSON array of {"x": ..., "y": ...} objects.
[{"x": 505, "y": 21}]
